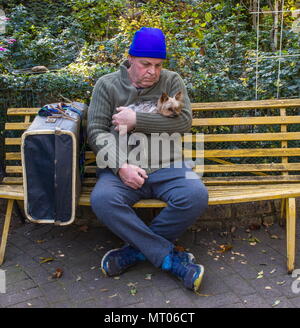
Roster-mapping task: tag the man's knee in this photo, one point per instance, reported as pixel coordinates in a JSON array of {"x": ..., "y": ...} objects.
[
  {"x": 102, "y": 200},
  {"x": 196, "y": 197}
]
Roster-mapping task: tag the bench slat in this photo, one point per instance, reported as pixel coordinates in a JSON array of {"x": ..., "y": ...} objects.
[
  {"x": 264, "y": 120},
  {"x": 227, "y": 196},
  {"x": 22, "y": 111},
  {"x": 17, "y": 126},
  {"x": 251, "y": 104},
  {"x": 252, "y": 167},
  {"x": 280, "y": 136}
]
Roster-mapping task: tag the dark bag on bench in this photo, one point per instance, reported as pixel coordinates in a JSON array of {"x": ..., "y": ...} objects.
[{"x": 50, "y": 151}]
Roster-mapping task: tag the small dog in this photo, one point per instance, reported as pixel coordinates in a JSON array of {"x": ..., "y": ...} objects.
[{"x": 166, "y": 105}]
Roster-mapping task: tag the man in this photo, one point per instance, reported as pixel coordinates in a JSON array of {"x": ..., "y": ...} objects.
[{"x": 122, "y": 184}]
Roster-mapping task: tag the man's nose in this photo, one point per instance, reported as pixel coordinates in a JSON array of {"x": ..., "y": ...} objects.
[{"x": 151, "y": 70}]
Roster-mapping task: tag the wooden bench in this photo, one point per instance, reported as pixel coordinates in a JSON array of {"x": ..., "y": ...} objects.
[{"x": 252, "y": 153}]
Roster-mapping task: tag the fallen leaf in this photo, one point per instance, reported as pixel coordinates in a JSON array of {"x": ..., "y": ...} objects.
[
  {"x": 117, "y": 278},
  {"x": 57, "y": 274},
  {"x": 40, "y": 241},
  {"x": 46, "y": 259},
  {"x": 276, "y": 303},
  {"x": 260, "y": 275},
  {"x": 133, "y": 291},
  {"x": 114, "y": 295},
  {"x": 78, "y": 278},
  {"x": 224, "y": 248},
  {"x": 272, "y": 271},
  {"x": 131, "y": 284},
  {"x": 268, "y": 287},
  {"x": 148, "y": 276},
  {"x": 253, "y": 240},
  {"x": 274, "y": 237},
  {"x": 280, "y": 282},
  {"x": 104, "y": 290},
  {"x": 203, "y": 295}
]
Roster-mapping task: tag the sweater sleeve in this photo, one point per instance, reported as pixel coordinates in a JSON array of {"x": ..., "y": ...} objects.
[
  {"x": 156, "y": 123},
  {"x": 103, "y": 142}
]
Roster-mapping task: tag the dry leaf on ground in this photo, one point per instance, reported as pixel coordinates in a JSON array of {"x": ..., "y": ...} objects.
[
  {"x": 57, "y": 274},
  {"x": 46, "y": 259}
]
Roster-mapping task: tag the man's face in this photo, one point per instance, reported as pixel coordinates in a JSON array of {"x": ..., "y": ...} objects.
[{"x": 143, "y": 71}]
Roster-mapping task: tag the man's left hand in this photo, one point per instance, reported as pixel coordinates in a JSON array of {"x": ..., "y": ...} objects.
[{"x": 125, "y": 120}]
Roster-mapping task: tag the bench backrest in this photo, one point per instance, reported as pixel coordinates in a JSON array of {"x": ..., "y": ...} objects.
[{"x": 244, "y": 142}]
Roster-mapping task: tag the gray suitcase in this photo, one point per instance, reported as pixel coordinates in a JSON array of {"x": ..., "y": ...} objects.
[{"x": 50, "y": 150}]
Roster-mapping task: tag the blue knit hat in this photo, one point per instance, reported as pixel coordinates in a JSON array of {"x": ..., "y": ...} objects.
[{"x": 148, "y": 42}]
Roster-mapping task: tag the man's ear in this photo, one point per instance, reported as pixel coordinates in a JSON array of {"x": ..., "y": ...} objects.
[
  {"x": 179, "y": 96},
  {"x": 164, "y": 97}
]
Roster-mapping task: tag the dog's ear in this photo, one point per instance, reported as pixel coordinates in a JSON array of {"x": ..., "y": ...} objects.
[
  {"x": 179, "y": 96},
  {"x": 164, "y": 97}
]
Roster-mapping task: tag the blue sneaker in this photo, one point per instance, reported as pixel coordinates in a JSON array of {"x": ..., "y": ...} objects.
[
  {"x": 190, "y": 273},
  {"x": 116, "y": 261},
  {"x": 185, "y": 256}
]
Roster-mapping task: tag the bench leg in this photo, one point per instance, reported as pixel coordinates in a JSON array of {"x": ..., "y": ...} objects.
[
  {"x": 8, "y": 216},
  {"x": 282, "y": 212},
  {"x": 291, "y": 232}
]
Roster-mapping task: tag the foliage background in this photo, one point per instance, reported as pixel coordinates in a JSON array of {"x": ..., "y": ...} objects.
[{"x": 212, "y": 44}]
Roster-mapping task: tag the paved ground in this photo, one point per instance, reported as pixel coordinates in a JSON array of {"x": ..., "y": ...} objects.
[{"x": 250, "y": 274}]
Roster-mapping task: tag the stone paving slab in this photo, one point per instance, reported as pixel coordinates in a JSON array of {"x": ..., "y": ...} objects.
[{"x": 250, "y": 273}]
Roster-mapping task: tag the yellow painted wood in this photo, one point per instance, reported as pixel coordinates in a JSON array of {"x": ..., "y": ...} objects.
[
  {"x": 249, "y": 152},
  {"x": 264, "y": 120},
  {"x": 22, "y": 111},
  {"x": 252, "y": 104},
  {"x": 228, "y": 105},
  {"x": 12, "y": 180},
  {"x": 246, "y": 137},
  {"x": 17, "y": 126},
  {"x": 257, "y": 180},
  {"x": 7, "y": 220},
  {"x": 291, "y": 233},
  {"x": 256, "y": 152},
  {"x": 252, "y": 167},
  {"x": 11, "y": 192},
  {"x": 14, "y": 169},
  {"x": 13, "y": 141},
  {"x": 13, "y": 156}
]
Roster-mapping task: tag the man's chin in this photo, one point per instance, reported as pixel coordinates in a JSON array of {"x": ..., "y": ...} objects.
[{"x": 147, "y": 84}]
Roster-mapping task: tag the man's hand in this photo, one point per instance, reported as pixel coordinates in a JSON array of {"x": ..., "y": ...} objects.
[
  {"x": 125, "y": 120},
  {"x": 132, "y": 175}
]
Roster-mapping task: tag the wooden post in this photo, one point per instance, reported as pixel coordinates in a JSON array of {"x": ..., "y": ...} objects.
[
  {"x": 8, "y": 216},
  {"x": 291, "y": 233}
]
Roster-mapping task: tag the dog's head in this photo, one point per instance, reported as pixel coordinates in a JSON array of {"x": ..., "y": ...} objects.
[{"x": 170, "y": 106}]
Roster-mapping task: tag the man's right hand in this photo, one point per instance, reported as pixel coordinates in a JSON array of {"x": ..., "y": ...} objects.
[{"x": 132, "y": 175}]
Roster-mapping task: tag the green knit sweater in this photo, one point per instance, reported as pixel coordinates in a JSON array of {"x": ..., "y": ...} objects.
[{"x": 114, "y": 90}]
